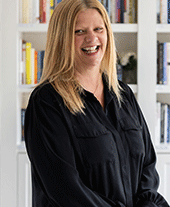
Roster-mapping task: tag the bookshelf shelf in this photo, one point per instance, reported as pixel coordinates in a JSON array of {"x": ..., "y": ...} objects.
[
  {"x": 163, "y": 148},
  {"x": 26, "y": 88},
  {"x": 32, "y": 27},
  {"x": 119, "y": 28},
  {"x": 163, "y": 28},
  {"x": 124, "y": 28},
  {"x": 163, "y": 89}
]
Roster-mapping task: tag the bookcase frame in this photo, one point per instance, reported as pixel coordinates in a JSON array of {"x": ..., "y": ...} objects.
[{"x": 146, "y": 89}]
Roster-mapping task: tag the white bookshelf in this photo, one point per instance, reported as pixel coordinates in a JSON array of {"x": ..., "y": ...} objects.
[{"x": 140, "y": 38}]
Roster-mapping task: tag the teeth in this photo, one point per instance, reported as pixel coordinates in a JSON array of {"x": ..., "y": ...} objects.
[{"x": 90, "y": 49}]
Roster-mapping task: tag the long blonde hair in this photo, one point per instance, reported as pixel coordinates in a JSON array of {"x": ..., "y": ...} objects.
[{"x": 60, "y": 51}]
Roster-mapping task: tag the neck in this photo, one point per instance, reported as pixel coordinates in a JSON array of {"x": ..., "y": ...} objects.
[{"x": 92, "y": 81}]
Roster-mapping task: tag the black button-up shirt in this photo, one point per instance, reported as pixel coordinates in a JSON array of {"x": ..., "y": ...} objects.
[{"x": 97, "y": 159}]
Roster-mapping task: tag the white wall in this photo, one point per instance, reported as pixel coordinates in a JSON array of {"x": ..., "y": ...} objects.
[{"x": 8, "y": 104}]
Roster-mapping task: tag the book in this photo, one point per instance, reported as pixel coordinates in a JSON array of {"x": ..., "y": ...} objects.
[
  {"x": 162, "y": 123},
  {"x": 168, "y": 11},
  {"x": 28, "y": 63},
  {"x": 36, "y": 12},
  {"x": 168, "y": 136},
  {"x": 35, "y": 67},
  {"x": 32, "y": 66},
  {"x": 126, "y": 13},
  {"x": 160, "y": 66},
  {"x": 43, "y": 11},
  {"x": 168, "y": 63},
  {"x": 40, "y": 58},
  {"x": 52, "y": 5},
  {"x": 130, "y": 11},
  {"x": 164, "y": 80},
  {"x": 25, "y": 11},
  {"x": 23, "y": 110},
  {"x": 113, "y": 11},
  {"x": 163, "y": 11},
  {"x": 158, "y": 123},
  {"x": 158, "y": 11}
]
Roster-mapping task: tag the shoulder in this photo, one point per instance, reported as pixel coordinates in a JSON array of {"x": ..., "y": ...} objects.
[
  {"x": 45, "y": 93},
  {"x": 126, "y": 91}
]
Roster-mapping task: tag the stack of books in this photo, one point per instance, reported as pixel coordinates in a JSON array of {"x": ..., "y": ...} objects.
[
  {"x": 163, "y": 11},
  {"x": 36, "y": 11},
  {"x": 40, "y": 11},
  {"x": 163, "y": 63},
  {"x": 121, "y": 11},
  {"x": 31, "y": 64},
  {"x": 162, "y": 130}
]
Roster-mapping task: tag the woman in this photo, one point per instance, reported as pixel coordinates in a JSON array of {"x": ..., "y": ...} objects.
[{"x": 86, "y": 137}]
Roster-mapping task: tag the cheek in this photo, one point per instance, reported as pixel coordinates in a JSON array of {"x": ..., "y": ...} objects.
[{"x": 77, "y": 44}]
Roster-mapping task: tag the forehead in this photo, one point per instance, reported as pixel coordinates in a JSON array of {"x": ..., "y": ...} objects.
[{"x": 89, "y": 16}]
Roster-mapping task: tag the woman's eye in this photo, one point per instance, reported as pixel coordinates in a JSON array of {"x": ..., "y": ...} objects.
[
  {"x": 79, "y": 31},
  {"x": 99, "y": 29}
]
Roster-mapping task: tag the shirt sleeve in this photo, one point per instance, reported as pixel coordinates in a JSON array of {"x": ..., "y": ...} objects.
[
  {"x": 52, "y": 156},
  {"x": 147, "y": 195}
]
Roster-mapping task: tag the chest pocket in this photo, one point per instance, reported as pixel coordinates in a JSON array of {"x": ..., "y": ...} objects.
[
  {"x": 96, "y": 143},
  {"x": 132, "y": 132}
]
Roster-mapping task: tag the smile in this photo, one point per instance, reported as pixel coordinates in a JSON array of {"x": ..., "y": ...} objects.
[{"x": 90, "y": 49}]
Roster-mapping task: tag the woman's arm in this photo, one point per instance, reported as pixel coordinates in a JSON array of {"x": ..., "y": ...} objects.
[
  {"x": 52, "y": 156},
  {"x": 147, "y": 195}
]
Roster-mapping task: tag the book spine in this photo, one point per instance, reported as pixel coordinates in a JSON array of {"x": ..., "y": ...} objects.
[
  {"x": 25, "y": 12},
  {"x": 168, "y": 136},
  {"x": 36, "y": 11},
  {"x": 168, "y": 11},
  {"x": 51, "y": 7},
  {"x": 163, "y": 11},
  {"x": 109, "y": 7},
  {"x": 38, "y": 67},
  {"x": 158, "y": 11},
  {"x": 22, "y": 123},
  {"x": 158, "y": 123},
  {"x": 121, "y": 11},
  {"x": 31, "y": 13},
  {"x": 126, "y": 15},
  {"x": 44, "y": 11},
  {"x": 113, "y": 11},
  {"x": 20, "y": 63},
  {"x": 24, "y": 61},
  {"x": 168, "y": 63},
  {"x": 133, "y": 11},
  {"x": 136, "y": 11},
  {"x": 158, "y": 61},
  {"x": 32, "y": 65},
  {"x": 47, "y": 11},
  {"x": 162, "y": 123},
  {"x": 130, "y": 11},
  {"x": 28, "y": 63},
  {"x": 40, "y": 60},
  {"x": 161, "y": 63},
  {"x": 35, "y": 68},
  {"x": 41, "y": 10},
  {"x": 164, "y": 63},
  {"x": 117, "y": 11},
  {"x": 165, "y": 122}
]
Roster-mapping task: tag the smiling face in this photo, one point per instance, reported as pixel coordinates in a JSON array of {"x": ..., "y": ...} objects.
[{"x": 90, "y": 39}]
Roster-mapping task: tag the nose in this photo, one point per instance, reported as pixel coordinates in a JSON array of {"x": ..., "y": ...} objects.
[{"x": 91, "y": 37}]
